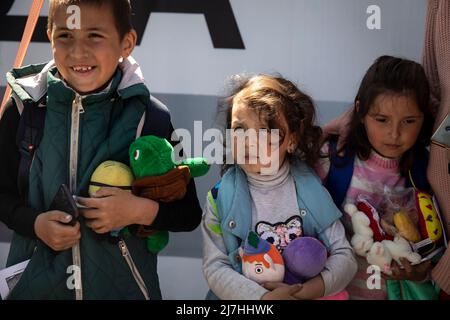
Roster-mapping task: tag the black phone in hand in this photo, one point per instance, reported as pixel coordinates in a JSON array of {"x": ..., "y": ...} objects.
[{"x": 63, "y": 201}]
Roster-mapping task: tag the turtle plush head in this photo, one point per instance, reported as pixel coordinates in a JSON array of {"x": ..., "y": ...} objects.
[{"x": 150, "y": 156}]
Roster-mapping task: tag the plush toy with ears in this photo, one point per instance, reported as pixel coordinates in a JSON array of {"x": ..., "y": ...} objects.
[
  {"x": 379, "y": 253},
  {"x": 380, "y": 256},
  {"x": 400, "y": 248},
  {"x": 362, "y": 239}
]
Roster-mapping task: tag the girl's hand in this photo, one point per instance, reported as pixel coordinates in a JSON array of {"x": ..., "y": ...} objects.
[
  {"x": 416, "y": 272},
  {"x": 281, "y": 291},
  {"x": 338, "y": 126},
  {"x": 51, "y": 228},
  {"x": 114, "y": 208},
  {"x": 312, "y": 289}
]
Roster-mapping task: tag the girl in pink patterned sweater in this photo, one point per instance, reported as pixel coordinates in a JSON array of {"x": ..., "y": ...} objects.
[{"x": 389, "y": 129}]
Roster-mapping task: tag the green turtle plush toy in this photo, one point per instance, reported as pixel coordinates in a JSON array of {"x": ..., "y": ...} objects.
[{"x": 157, "y": 177}]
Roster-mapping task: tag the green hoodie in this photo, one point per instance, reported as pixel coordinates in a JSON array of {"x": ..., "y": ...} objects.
[{"x": 79, "y": 134}]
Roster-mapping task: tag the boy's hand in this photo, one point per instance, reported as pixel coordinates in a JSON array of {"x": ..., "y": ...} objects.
[
  {"x": 51, "y": 228},
  {"x": 416, "y": 272},
  {"x": 281, "y": 291},
  {"x": 114, "y": 208}
]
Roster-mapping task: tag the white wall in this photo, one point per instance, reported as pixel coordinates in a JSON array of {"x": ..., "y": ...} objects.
[{"x": 324, "y": 45}]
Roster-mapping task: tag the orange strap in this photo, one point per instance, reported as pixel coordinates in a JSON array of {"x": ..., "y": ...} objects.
[{"x": 33, "y": 17}]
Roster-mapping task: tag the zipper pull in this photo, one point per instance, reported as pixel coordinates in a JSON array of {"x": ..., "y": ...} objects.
[
  {"x": 78, "y": 103},
  {"x": 123, "y": 248}
]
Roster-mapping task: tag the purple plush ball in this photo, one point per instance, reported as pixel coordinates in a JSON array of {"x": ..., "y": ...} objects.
[{"x": 304, "y": 258}]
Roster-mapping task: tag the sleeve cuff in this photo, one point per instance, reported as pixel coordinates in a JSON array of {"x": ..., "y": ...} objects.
[
  {"x": 326, "y": 277},
  {"x": 26, "y": 227}
]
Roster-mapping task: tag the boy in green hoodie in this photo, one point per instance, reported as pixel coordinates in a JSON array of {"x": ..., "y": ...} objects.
[{"x": 96, "y": 104}]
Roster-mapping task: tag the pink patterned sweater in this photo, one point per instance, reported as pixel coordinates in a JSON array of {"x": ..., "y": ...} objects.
[{"x": 372, "y": 177}]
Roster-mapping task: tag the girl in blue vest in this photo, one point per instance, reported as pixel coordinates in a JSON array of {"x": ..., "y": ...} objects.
[
  {"x": 279, "y": 199},
  {"x": 389, "y": 129}
]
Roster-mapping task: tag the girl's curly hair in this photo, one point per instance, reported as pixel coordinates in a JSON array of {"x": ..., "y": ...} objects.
[{"x": 269, "y": 96}]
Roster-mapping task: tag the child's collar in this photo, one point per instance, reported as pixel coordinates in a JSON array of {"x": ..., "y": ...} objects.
[
  {"x": 381, "y": 161},
  {"x": 106, "y": 88},
  {"x": 270, "y": 181},
  {"x": 35, "y": 85}
]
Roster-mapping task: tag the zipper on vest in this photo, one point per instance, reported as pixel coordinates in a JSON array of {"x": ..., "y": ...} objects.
[
  {"x": 134, "y": 271},
  {"x": 77, "y": 109}
]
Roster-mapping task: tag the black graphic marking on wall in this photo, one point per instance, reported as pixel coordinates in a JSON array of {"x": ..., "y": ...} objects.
[{"x": 218, "y": 14}]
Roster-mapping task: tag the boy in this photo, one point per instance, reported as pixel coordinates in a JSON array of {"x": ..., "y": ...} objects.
[{"x": 95, "y": 104}]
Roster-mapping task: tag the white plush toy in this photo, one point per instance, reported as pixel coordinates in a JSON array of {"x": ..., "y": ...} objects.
[
  {"x": 400, "y": 248},
  {"x": 362, "y": 239},
  {"x": 379, "y": 255}
]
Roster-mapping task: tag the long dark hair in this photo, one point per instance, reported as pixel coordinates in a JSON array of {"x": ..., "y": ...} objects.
[{"x": 391, "y": 76}]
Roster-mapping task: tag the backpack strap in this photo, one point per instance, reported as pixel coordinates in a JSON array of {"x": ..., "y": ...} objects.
[
  {"x": 17, "y": 102},
  {"x": 418, "y": 173},
  {"x": 212, "y": 198},
  {"x": 28, "y": 137},
  {"x": 340, "y": 173},
  {"x": 157, "y": 120}
]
